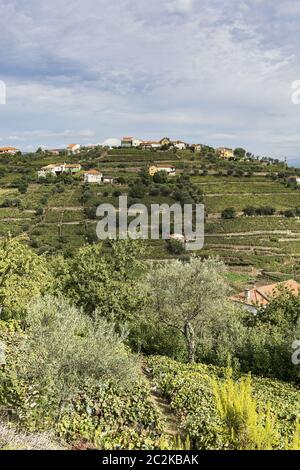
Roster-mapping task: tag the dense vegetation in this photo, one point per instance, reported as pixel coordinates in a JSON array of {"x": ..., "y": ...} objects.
[
  {"x": 191, "y": 393},
  {"x": 86, "y": 328}
]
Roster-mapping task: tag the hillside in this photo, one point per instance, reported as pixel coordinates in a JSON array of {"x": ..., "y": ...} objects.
[{"x": 57, "y": 215}]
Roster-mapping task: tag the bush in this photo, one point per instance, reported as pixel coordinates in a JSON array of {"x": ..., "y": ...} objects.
[
  {"x": 246, "y": 427},
  {"x": 289, "y": 214},
  {"x": 265, "y": 210},
  {"x": 249, "y": 211},
  {"x": 229, "y": 213},
  {"x": 175, "y": 247},
  {"x": 65, "y": 348}
]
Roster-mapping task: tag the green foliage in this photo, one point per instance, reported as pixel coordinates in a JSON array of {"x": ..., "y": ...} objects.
[
  {"x": 175, "y": 247},
  {"x": 106, "y": 282},
  {"x": 187, "y": 296},
  {"x": 190, "y": 391},
  {"x": 229, "y": 213},
  {"x": 247, "y": 428},
  {"x": 23, "y": 276},
  {"x": 72, "y": 375}
]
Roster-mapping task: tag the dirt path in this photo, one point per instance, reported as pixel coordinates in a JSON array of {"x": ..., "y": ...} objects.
[
  {"x": 171, "y": 422},
  {"x": 246, "y": 194},
  {"x": 252, "y": 233}
]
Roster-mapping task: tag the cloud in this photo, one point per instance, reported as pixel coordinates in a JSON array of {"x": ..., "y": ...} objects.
[
  {"x": 111, "y": 142},
  {"x": 181, "y": 6},
  {"x": 194, "y": 69}
]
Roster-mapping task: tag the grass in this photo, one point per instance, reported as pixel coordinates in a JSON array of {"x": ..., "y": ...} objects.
[{"x": 216, "y": 204}]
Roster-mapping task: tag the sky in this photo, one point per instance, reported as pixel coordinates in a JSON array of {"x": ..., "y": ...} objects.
[{"x": 205, "y": 71}]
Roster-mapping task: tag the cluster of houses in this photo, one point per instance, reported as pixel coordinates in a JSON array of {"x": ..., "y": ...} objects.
[
  {"x": 90, "y": 176},
  {"x": 132, "y": 142},
  {"x": 8, "y": 151}
]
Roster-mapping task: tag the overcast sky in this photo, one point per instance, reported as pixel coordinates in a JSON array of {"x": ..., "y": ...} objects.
[{"x": 206, "y": 71}]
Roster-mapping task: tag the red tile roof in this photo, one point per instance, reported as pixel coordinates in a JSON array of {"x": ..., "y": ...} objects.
[
  {"x": 92, "y": 172},
  {"x": 261, "y": 296}
]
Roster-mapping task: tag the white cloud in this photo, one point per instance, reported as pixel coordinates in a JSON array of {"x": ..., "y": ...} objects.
[
  {"x": 112, "y": 142},
  {"x": 181, "y": 6},
  {"x": 98, "y": 68}
]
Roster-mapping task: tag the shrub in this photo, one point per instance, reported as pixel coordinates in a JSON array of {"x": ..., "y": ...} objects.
[
  {"x": 229, "y": 213},
  {"x": 246, "y": 427},
  {"x": 265, "y": 210},
  {"x": 65, "y": 348},
  {"x": 175, "y": 247},
  {"x": 249, "y": 211}
]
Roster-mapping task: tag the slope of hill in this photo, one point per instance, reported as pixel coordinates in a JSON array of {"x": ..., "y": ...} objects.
[{"x": 58, "y": 214}]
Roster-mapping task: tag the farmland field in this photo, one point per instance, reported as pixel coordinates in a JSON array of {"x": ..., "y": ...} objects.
[{"x": 58, "y": 214}]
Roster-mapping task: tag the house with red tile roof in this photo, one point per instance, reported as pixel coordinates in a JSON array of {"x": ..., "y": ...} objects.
[
  {"x": 73, "y": 149},
  {"x": 93, "y": 176},
  {"x": 259, "y": 297}
]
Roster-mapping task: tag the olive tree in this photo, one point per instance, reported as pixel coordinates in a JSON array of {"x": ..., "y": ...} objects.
[
  {"x": 64, "y": 349},
  {"x": 188, "y": 296}
]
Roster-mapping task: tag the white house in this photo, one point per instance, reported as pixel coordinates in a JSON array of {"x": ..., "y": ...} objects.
[
  {"x": 58, "y": 169},
  {"x": 51, "y": 169},
  {"x": 259, "y": 297},
  {"x": 108, "y": 179},
  {"x": 93, "y": 176},
  {"x": 170, "y": 170},
  {"x": 136, "y": 142},
  {"x": 73, "y": 149},
  {"x": 151, "y": 144},
  {"x": 196, "y": 147},
  {"x": 178, "y": 144},
  {"x": 298, "y": 181}
]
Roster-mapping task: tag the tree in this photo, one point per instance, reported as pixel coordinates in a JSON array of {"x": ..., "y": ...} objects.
[
  {"x": 188, "y": 296},
  {"x": 239, "y": 152},
  {"x": 229, "y": 213},
  {"x": 160, "y": 178},
  {"x": 249, "y": 211},
  {"x": 137, "y": 191},
  {"x": 106, "y": 282},
  {"x": 23, "y": 276},
  {"x": 63, "y": 351}
]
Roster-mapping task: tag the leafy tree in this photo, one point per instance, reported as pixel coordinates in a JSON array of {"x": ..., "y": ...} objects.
[
  {"x": 265, "y": 210},
  {"x": 186, "y": 297},
  {"x": 283, "y": 310},
  {"x": 137, "y": 191},
  {"x": 160, "y": 178},
  {"x": 239, "y": 152},
  {"x": 229, "y": 213},
  {"x": 23, "y": 276},
  {"x": 106, "y": 283}
]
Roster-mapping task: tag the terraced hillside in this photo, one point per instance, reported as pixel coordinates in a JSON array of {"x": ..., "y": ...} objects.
[{"x": 59, "y": 213}]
